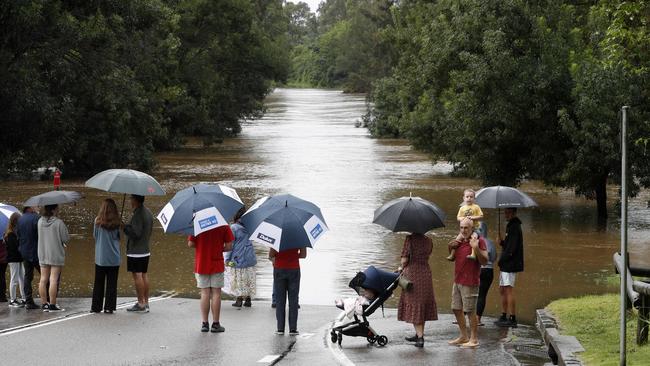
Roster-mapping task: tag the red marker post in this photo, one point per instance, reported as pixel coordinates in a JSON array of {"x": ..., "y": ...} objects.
[{"x": 57, "y": 179}]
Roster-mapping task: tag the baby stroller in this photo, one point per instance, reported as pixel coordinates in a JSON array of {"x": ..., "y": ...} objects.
[{"x": 382, "y": 283}]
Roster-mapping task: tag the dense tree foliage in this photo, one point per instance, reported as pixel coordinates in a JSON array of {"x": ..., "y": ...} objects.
[
  {"x": 89, "y": 85},
  {"x": 514, "y": 89},
  {"x": 345, "y": 47}
]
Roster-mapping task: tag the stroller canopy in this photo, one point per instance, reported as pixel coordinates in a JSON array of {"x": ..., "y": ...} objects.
[{"x": 374, "y": 279}]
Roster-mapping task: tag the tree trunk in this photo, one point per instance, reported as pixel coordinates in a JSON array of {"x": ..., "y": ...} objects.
[{"x": 601, "y": 198}]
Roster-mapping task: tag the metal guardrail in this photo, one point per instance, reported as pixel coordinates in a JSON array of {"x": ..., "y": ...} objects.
[{"x": 638, "y": 293}]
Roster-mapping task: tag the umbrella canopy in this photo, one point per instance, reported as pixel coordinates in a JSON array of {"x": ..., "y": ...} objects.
[
  {"x": 503, "y": 197},
  {"x": 411, "y": 214},
  {"x": 199, "y": 208},
  {"x": 126, "y": 181},
  {"x": 53, "y": 198},
  {"x": 284, "y": 222},
  {"x": 5, "y": 213}
]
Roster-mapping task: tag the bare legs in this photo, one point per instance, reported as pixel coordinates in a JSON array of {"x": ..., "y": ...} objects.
[
  {"x": 463, "y": 340},
  {"x": 141, "y": 282},
  {"x": 419, "y": 330},
  {"x": 49, "y": 274},
  {"x": 210, "y": 300},
  {"x": 507, "y": 299}
]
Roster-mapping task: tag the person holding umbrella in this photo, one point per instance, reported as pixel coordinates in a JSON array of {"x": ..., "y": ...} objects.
[
  {"x": 138, "y": 232},
  {"x": 209, "y": 271},
  {"x": 419, "y": 304},
  {"x": 511, "y": 262},
  {"x": 287, "y": 225},
  {"x": 417, "y": 216},
  {"x": 52, "y": 240},
  {"x": 286, "y": 283}
]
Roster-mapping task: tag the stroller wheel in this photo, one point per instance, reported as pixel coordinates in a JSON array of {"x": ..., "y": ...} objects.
[
  {"x": 382, "y": 340},
  {"x": 340, "y": 338},
  {"x": 333, "y": 336},
  {"x": 371, "y": 339}
]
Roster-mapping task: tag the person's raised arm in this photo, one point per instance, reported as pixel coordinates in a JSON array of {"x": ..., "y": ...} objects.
[
  {"x": 191, "y": 243},
  {"x": 302, "y": 253}
]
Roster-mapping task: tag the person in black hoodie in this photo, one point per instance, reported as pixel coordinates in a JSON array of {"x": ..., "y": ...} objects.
[{"x": 511, "y": 262}]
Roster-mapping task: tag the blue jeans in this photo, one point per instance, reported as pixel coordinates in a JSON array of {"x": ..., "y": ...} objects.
[{"x": 286, "y": 282}]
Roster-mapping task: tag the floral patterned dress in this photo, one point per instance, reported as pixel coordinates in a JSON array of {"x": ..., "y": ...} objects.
[{"x": 419, "y": 304}]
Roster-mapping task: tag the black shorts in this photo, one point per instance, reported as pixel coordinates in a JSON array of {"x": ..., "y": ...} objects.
[{"x": 137, "y": 264}]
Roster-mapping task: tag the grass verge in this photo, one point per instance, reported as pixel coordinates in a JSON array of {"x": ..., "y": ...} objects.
[{"x": 594, "y": 320}]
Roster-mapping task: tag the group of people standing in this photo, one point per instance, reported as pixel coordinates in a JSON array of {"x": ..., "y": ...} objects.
[
  {"x": 473, "y": 255},
  {"x": 34, "y": 242}
]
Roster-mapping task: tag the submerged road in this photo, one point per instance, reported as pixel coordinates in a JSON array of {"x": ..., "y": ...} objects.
[{"x": 169, "y": 335}]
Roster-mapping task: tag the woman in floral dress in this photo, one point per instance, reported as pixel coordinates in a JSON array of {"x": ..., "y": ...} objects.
[{"x": 417, "y": 305}]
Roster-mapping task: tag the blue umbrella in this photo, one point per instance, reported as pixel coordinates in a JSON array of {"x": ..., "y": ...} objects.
[
  {"x": 199, "y": 208},
  {"x": 5, "y": 213},
  {"x": 284, "y": 222}
]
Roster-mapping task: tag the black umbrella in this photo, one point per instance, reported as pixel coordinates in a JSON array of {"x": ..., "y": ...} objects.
[
  {"x": 411, "y": 214},
  {"x": 503, "y": 197}
]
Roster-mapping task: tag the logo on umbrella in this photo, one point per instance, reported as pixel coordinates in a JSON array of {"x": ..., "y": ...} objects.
[
  {"x": 316, "y": 231},
  {"x": 150, "y": 189},
  {"x": 163, "y": 218},
  {"x": 208, "y": 221},
  {"x": 265, "y": 238}
]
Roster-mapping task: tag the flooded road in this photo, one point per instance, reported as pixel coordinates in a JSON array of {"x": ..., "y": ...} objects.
[{"x": 307, "y": 145}]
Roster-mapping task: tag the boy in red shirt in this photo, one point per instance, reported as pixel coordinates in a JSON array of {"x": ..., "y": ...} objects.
[{"x": 208, "y": 270}]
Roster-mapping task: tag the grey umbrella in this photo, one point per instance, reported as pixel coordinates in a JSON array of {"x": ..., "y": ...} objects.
[
  {"x": 53, "y": 198},
  {"x": 503, "y": 197},
  {"x": 411, "y": 214},
  {"x": 127, "y": 181}
]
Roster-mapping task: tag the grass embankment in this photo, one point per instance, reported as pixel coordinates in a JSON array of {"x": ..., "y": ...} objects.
[{"x": 594, "y": 320}]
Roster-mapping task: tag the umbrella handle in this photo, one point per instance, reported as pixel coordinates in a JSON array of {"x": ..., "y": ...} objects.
[
  {"x": 499, "y": 224},
  {"x": 122, "y": 212}
]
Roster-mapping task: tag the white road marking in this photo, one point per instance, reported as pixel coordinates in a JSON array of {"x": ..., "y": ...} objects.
[
  {"x": 338, "y": 354},
  {"x": 63, "y": 318},
  {"x": 306, "y": 335},
  {"x": 268, "y": 358}
]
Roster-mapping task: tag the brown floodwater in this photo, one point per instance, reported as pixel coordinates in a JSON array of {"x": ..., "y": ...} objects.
[{"x": 307, "y": 145}]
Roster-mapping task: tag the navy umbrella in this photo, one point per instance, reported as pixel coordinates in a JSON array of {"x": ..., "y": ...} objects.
[
  {"x": 410, "y": 214},
  {"x": 284, "y": 222},
  {"x": 199, "y": 208},
  {"x": 5, "y": 213}
]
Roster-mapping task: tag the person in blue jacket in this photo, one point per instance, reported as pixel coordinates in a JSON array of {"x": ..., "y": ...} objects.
[
  {"x": 242, "y": 259},
  {"x": 27, "y": 233}
]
